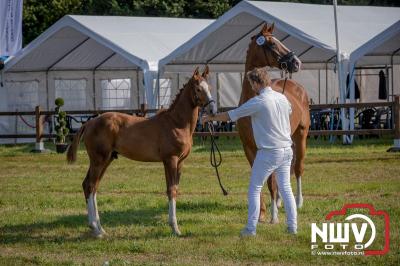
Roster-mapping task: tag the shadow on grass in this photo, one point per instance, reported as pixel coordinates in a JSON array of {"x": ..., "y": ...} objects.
[{"x": 49, "y": 232}]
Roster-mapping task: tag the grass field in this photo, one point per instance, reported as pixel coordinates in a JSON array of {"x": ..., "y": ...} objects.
[{"x": 43, "y": 215}]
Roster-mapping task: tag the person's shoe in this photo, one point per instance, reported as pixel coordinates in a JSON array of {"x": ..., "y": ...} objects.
[
  {"x": 292, "y": 231},
  {"x": 246, "y": 233}
]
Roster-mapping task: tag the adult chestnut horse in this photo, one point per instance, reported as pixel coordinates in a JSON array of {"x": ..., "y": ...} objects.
[
  {"x": 166, "y": 137},
  {"x": 265, "y": 50}
]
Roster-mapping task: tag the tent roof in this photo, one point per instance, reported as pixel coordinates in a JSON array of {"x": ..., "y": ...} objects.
[
  {"x": 105, "y": 42},
  {"x": 306, "y": 29},
  {"x": 383, "y": 49}
]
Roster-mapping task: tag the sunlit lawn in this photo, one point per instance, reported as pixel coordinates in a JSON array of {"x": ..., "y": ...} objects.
[{"x": 43, "y": 214}]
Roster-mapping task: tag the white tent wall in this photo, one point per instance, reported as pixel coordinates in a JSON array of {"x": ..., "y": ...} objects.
[
  {"x": 227, "y": 86},
  {"x": 118, "y": 89},
  {"x": 21, "y": 92},
  {"x": 75, "y": 87},
  {"x": 368, "y": 82},
  {"x": 177, "y": 81}
]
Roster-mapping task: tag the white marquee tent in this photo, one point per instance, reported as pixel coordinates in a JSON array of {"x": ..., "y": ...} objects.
[
  {"x": 112, "y": 62},
  {"x": 306, "y": 29},
  {"x": 367, "y": 36},
  {"x": 93, "y": 62}
]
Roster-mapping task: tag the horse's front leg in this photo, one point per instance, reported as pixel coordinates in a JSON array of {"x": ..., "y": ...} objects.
[{"x": 172, "y": 178}]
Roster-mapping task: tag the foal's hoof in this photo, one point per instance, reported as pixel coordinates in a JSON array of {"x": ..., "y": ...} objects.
[
  {"x": 274, "y": 221},
  {"x": 97, "y": 231},
  {"x": 97, "y": 235},
  {"x": 175, "y": 230}
]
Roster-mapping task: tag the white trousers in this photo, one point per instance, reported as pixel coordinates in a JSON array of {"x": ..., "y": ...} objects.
[{"x": 266, "y": 162}]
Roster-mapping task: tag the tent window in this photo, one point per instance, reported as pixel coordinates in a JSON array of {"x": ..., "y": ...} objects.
[
  {"x": 165, "y": 92},
  {"x": 116, "y": 93},
  {"x": 23, "y": 96},
  {"x": 73, "y": 91}
]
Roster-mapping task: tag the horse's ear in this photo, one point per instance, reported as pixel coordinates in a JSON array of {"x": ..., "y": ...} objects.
[
  {"x": 268, "y": 30},
  {"x": 265, "y": 28},
  {"x": 196, "y": 74},
  {"x": 271, "y": 28},
  {"x": 206, "y": 72}
]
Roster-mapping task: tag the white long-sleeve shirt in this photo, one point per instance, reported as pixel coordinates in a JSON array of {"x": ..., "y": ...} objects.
[{"x": 270, "y": 118}]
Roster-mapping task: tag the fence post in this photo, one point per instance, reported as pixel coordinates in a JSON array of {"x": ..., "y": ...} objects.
[
  {"x": 396, "y": 116},
  {"x": 143, "y": 109},
  {"x": 39, "y": 146}
]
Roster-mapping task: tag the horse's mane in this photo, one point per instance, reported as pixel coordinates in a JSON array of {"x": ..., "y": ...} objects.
[{"x": 175, "y": 101}]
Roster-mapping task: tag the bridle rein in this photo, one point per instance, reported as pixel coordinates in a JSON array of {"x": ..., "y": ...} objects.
[{"x": 283, "y": 61}]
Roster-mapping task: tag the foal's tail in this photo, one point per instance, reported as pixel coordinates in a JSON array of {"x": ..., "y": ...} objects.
[{"x": 73, "y": 148}]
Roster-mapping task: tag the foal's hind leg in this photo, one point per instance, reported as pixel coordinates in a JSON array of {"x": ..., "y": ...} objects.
[
  {"x": 172, "y": 178},
  {"x": 90, "y": 185}
]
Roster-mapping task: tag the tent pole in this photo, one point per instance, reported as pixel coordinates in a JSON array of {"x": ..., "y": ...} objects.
[
  {"x": 326, "y": 83},
  {"x": 138, "y": 89},
  {"x": 387, "y": 81},
  {"x": 391, "y": 62},
  {"x": 352, "y": 98},
  {"x": 218, "y": 100},
  {"x": 340, "y": 73}
]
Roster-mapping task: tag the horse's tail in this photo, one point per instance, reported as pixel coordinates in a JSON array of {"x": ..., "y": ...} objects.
[{"x": 73, "y": 148}]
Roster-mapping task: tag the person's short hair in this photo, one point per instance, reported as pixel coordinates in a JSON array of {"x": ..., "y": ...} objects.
[{"x": 259, "y": 75}]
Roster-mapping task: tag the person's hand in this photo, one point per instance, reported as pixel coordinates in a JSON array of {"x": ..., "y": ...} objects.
[{"x": 205, "y": 119}]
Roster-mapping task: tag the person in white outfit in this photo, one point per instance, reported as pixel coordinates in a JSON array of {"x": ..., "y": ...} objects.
[{"x": 270, "y": 118}]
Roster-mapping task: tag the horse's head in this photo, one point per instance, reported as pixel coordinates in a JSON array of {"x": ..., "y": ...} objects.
[
  {"x": 202, "y": 91},
  {"x": 269, "y": 51}
]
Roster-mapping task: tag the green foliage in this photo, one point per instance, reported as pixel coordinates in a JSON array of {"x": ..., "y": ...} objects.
[
  {"x": 59, "y": 102},
  {"x": 38, "y": 15},
  {"x": 61, "y": 123}
]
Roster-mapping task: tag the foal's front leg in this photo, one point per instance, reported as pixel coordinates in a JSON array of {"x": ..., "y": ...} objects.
[{"x": 171, "y": 175}]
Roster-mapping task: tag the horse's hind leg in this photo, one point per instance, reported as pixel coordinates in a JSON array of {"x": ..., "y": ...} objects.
[
  {"x": 273, "y": 189},
  {"x": 90, "y": 185},
  {"x": 300, "y": 139}
]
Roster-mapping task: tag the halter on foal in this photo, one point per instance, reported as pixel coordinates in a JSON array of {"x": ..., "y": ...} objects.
[
  {"x": 265, "y": 50},
  {"x": 166, "y": 137}
]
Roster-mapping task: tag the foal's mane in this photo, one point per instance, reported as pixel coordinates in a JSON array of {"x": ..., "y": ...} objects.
[{"x": 175, "y": 101}]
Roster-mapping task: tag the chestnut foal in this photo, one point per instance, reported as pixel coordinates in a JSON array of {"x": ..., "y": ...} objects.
[{"x": 166, "y": 137}]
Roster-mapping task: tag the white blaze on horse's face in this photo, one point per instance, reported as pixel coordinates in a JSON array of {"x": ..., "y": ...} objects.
[
  {"x": 212, "y": 107},
  {"x": 206, "y": 89}
]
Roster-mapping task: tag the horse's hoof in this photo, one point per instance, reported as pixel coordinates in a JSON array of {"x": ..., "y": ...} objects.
[
  {"x": 279, "y": 203},
  {"x": 274, "y": 221},
  {"x": 262, "y": 219},
  {"x": 299, "y": 203}
]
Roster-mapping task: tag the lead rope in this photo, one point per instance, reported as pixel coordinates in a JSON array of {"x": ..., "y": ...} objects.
[
  {"x": 284, "y": 85},
  {"x": 213, "y": 159}
]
